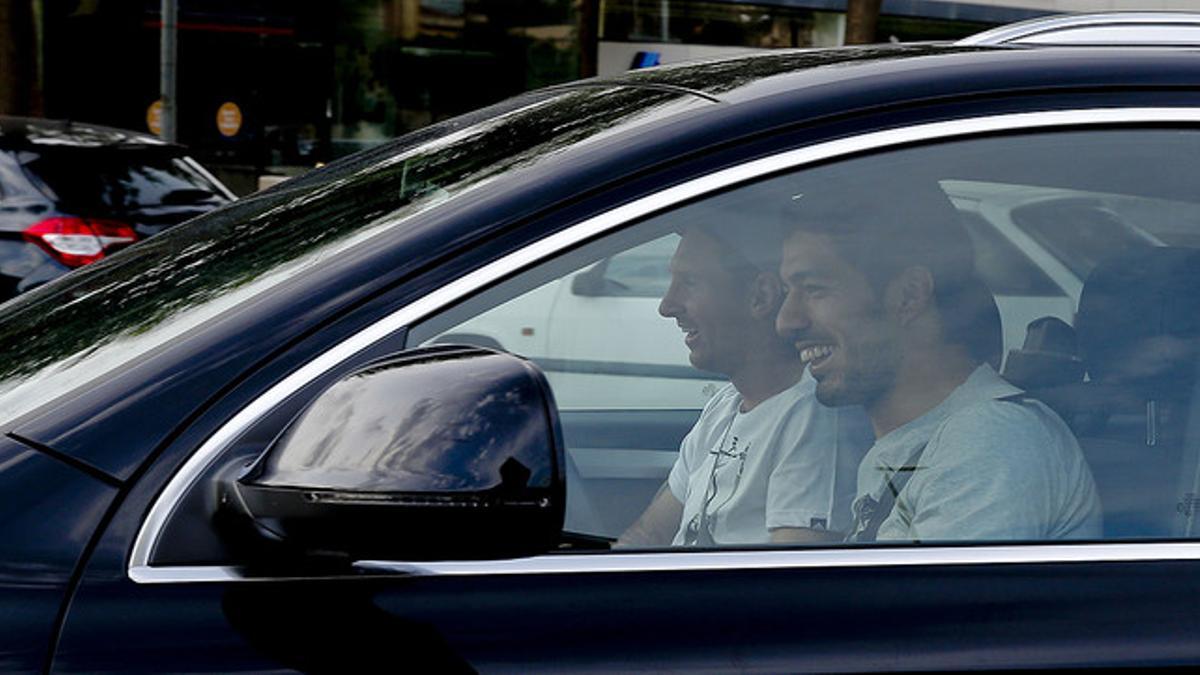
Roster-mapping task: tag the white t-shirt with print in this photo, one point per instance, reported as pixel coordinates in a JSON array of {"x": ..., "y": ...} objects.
[{"x": 788, "y": 462}]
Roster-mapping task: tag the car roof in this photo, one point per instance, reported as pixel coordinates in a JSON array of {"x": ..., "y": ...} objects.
[
  {"x": 938, "y": 68},
  {"x": 39, "y": 132}
]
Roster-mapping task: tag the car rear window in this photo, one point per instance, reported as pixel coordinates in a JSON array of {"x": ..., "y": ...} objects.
[{"x": 119, "y": 180}]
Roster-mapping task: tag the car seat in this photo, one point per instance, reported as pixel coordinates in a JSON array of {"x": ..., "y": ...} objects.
[
  {"x": 1049, "y": 358},
  {"x": 1138, "y": 327}
]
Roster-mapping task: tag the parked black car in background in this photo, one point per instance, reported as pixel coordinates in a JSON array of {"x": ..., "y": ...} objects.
[
  {"x": 73, "y": 193},
  {"x": 245, "y": 445}
]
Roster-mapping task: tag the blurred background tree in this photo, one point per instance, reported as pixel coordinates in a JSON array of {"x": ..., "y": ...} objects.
[
  {"x": 19, "y": 91},
  {"x": 862, "y": 16}
]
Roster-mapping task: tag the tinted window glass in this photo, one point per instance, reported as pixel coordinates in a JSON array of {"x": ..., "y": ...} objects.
[
  {"x": 827, "y": 364},
  {"x": 642, "y": 271},
  {"x": 62, "y": 336},
  {"x": 1006, "y": 270},
  {"x": 1058, "y": 303},
  {"x": 1081, "y": 233},
  {"x": 119, "y": 180}
]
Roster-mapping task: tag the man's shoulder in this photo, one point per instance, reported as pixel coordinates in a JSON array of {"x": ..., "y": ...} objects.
[
  {"x": 1013, "y": 422},
  {"x": 717, "y": 412},
  {"x": 724, "y": 397},
  {"x": 802, "y": 393}
]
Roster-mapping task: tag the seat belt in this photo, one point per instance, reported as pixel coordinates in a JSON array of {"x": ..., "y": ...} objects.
[{"x": 876, "y": 512}]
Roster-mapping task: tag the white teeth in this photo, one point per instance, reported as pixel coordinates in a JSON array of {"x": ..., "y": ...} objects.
[{"x": 810, "y": 354}]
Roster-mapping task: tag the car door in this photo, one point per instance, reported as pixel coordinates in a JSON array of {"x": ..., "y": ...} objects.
[{"x": 1119, "y": 599}]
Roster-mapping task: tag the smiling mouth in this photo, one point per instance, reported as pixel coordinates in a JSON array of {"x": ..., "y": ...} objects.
[{"x": 816, "y": 355}]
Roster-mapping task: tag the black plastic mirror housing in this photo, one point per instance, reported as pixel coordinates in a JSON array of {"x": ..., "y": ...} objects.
[{"x": 437, "y": 453}]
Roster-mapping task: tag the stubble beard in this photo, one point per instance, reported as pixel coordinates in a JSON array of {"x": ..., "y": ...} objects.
[{"x": 868, "y": 374}]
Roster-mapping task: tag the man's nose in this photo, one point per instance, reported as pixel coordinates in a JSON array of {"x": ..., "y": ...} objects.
[
  {"x": 668, "y": 307},
  {"x": 792, "y": 319}
]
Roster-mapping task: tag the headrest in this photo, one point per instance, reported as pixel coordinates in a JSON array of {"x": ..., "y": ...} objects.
[
  {"x": 1049, "y": 357},
  {"x": 1139, "y": 315}
]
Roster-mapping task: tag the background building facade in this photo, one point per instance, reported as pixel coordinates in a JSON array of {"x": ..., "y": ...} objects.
[{"x": 280, "y": 85}]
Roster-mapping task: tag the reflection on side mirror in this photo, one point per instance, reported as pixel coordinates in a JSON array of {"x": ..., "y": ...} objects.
[{"x": 436, "y": 453}]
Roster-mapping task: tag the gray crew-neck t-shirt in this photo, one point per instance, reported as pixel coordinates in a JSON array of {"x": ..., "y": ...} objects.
[{"x": 992, "y": 469}]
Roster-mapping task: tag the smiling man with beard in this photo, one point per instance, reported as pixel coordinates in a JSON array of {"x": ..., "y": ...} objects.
[
  {"x": 765, "y": 462},
  {"x": 883, "y": 306}
]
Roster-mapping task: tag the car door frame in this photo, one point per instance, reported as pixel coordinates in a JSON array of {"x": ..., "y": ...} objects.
[{"x": 670, "y": 587}]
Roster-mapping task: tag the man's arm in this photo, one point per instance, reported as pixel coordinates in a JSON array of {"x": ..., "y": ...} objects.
[
  {"x": 803, "y": 535},
  {"x": 658, "y": 523},
  {"x": 813, "y": 478}
]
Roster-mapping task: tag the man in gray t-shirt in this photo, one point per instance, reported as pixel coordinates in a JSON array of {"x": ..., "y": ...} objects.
[
  {"x": 886, "y": 312},
  {"x": 994, "y": 466}
]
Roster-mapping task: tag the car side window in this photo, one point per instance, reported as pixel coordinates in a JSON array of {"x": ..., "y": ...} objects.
[
  {"x": 626, "y": 390},
  {"x": 640, "y": 272},
  {"x": 830, "y": 364},
  {"x": 1055, "y": 395}
]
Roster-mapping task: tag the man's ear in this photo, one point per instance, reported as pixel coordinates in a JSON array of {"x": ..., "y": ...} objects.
[
  {"x": 910, "y": 294},
  {"x": 766, "y": 295}
]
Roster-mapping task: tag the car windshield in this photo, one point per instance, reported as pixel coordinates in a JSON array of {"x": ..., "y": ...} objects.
[
  {"x": 88, "y": 324},
  {"x": 91, "y": 179}
]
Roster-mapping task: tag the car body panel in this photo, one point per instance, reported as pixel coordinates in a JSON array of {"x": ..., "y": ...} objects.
[
  {"x": 868, "y": 619},
  {"x": 126, "y": 428},
  {"x": 51, "y": 511}
]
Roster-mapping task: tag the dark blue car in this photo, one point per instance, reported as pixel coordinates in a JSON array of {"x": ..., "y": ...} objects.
[
  {"x": 72, "y": 193},
  {"x": 262, "y": 440}
]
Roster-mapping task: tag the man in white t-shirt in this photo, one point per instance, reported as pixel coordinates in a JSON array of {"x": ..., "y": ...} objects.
[{"x": 765, "y": 462}]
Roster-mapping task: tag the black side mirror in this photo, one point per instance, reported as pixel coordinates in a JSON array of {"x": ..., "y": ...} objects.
[{"x": 437, "y": 453}]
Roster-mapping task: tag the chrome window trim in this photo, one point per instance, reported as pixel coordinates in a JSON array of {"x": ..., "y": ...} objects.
[
  {"x": 164, "y": 504},
  {"x": 710, "y": 561}
]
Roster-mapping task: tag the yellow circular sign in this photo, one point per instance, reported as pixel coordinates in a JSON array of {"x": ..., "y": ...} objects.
[
  {"x": 154, "y": 117},
  {"x": 229, "y": 119}
]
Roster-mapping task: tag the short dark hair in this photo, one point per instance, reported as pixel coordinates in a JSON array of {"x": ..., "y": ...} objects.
[
  {"x": 748, "y": 222},
  {"x": 883, "y": 226},
  {"x": 887, "y": 226}
]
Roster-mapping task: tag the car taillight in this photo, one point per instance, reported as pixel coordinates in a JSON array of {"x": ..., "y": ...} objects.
[{"x": 75, "y": 242}]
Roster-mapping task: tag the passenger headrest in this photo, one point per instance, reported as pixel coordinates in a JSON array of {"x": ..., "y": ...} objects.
[
  {"x": 1049, "y": 357},
  {"x": 1139, "y": 317}
]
